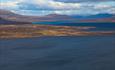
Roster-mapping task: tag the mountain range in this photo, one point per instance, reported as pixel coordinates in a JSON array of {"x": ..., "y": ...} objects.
[{"x": 11, "y": 16}]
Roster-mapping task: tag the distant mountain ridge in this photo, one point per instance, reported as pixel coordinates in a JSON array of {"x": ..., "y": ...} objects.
[
  {"x": 16, "y": 17},
  {"x": 8, "y": 15},
  {"x": 104, "y": 15}
]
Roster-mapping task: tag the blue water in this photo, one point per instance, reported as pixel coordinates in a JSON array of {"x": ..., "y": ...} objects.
[
  {"x": 58, "y": 53},
  {"x": 99, "y": 26}
]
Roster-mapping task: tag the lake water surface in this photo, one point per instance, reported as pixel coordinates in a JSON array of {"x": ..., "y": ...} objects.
[
  {"x": 58, "y": 53},
  {"x": 99, "y": 26}
]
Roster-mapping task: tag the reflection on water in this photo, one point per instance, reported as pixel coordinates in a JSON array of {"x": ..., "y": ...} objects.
[{"x": 58, "y": 53}]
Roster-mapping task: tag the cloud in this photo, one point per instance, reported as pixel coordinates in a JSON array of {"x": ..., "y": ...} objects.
[
  {"x": 73, "y": 1},
  {"x": 10, "y": 4},
  {"x": 43, "y": 7},
  {"x": 53, "y": 5}
]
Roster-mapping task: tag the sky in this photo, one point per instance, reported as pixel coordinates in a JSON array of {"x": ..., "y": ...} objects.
[{"x": 64, "y": 7}]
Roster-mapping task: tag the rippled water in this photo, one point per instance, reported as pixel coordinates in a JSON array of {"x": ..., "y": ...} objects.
[{"x": 58, "y": 53}]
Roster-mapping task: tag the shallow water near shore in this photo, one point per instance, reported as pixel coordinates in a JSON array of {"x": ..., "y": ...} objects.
[{"x": 58, "y": 53}]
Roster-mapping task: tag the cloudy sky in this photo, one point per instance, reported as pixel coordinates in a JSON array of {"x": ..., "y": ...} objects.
[{"x": 66, "y": 7}]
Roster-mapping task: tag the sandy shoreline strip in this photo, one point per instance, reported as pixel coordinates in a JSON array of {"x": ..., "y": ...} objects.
[{"x": 27, "y": 31}]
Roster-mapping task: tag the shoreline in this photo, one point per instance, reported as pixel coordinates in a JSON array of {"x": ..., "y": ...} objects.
[{"x": 29, "y": 31}]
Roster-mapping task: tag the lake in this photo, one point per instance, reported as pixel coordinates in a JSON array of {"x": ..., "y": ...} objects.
[
  {"x": 58, "y": 53},
  {"x": 99, "y": 26}
]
